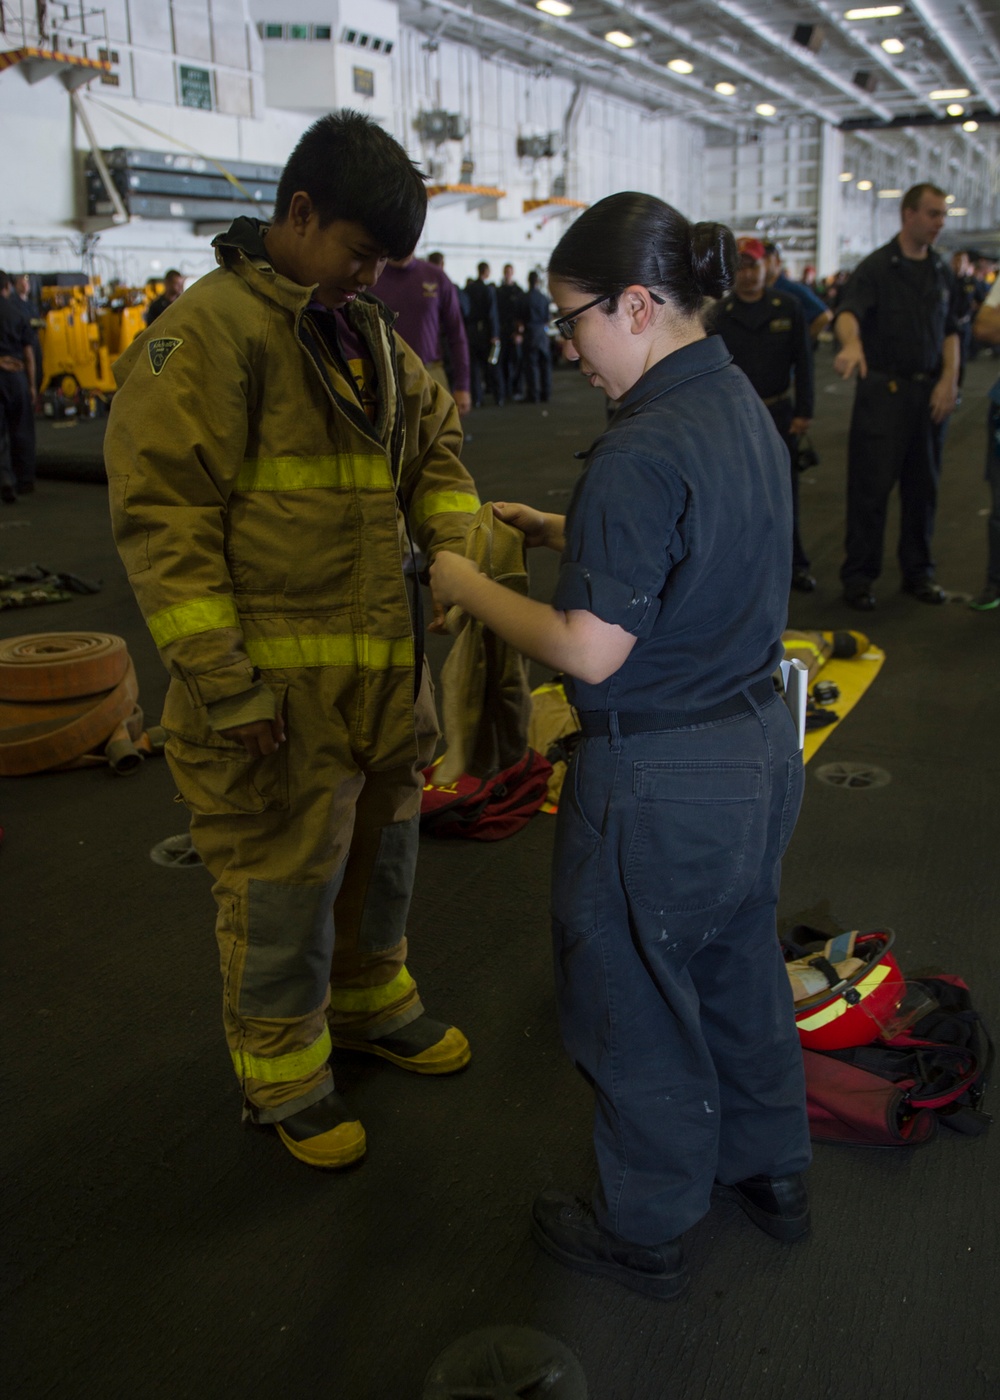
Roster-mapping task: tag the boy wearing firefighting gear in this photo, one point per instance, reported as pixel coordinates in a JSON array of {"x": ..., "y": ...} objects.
[{"x": 272, "y": 448}]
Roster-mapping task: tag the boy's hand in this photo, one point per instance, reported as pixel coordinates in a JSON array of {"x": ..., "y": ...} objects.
[
  {"x": 448, "y": 573},
  {"x": 260, "y": 738}
]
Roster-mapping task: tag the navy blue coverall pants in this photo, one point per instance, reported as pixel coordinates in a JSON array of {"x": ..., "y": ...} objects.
[
  {"x": 892, "y": 439},
  {"x": 672, "y": 992}
]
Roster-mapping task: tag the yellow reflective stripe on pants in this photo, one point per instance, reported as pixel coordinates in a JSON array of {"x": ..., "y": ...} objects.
[
  {"x": 373, "y": 653},
  {"x": 437, "y": 502},
  {"x": 344, "y": 471},
  {"x": 187, "y": 619},
  {"x": 371, "y": 998},
  {"x": 279, "y": 1069}
]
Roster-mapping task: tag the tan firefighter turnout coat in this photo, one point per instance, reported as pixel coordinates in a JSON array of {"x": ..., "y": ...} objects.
[{"x": 258, "y": 511}]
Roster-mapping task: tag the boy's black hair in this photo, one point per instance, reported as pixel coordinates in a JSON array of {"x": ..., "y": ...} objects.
[{"x": 351, "y": 169}]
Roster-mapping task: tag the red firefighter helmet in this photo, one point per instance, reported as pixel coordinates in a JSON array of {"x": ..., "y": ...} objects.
[{"x": 854, "y": 1011}]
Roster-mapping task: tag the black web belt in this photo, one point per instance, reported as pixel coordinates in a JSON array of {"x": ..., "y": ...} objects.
[{"x": 596, "y": 723}]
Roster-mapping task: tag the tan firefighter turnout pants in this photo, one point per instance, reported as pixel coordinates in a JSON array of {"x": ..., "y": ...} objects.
[{"x": 313, "y": 851}]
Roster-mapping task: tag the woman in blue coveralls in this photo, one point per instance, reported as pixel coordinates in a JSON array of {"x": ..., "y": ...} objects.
[{"x": 667, "y": 619}]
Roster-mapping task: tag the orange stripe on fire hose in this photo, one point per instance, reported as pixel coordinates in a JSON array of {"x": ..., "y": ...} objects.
[
  {"x": 60, "y": 665},
  {"x": 36, "y": 737}
]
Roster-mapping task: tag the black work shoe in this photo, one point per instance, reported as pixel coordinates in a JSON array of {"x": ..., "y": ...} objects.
[
  {"x": 925, "y": 590},
  {"x": 326, "y": 1134},
  {"x": 565, "y": 1227},
  {"x": 778, "y": 1205},
  {"x": 423, "y": 1047},
  {"x": 861, "y": 599},
  {"x": 803, "y": 581}
]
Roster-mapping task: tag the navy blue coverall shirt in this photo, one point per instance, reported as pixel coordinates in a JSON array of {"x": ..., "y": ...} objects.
[{"x": 671, "y": 987}]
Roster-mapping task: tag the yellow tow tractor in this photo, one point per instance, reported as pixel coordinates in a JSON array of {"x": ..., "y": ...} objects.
[{"x": 85, "y": 330}]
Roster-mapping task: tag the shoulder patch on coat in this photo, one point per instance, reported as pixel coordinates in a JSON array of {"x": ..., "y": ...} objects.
[{"x": 160, "y": 351}]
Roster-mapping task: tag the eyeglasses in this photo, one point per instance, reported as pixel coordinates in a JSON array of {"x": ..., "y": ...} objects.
[{"x": 566, "y": 325}]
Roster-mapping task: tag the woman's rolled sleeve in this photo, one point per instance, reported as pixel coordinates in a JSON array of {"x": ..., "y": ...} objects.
[
  {"x": 621, "y": 540},
  {"x": 607, "y": 598}
]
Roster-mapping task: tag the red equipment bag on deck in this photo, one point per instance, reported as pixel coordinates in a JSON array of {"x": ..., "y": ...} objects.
[
  {"x": 486, "y": 809},
  {"x": 896, "y": 1092}
]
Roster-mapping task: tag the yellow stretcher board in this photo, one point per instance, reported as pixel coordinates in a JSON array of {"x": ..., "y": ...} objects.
[{"x": 852, "y": 675}]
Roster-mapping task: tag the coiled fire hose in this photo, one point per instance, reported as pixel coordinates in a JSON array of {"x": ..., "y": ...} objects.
[{"x": 70, "y": 700}]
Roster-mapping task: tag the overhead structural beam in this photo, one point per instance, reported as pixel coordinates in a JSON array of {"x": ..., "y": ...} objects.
[
  {"x": 637, "y": 79},
  {"x": 632, "y": 57},
  {"x": 932, "y": 21},
  {"x": 803, "y": 57},
  {"x": 917, "y": 119},
  {"x": 985, "y": 38},
  {"x": 833, "y": 15},
  {"x": 653, "y": 22}
]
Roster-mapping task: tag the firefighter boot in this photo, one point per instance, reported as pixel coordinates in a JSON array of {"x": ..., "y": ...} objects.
[
  {"x": 325, "y": 1134},
  {"x": 423, "y": 1047}
]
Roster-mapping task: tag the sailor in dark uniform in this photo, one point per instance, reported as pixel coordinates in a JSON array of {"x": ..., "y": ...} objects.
[{"x": 765, "y": 331}]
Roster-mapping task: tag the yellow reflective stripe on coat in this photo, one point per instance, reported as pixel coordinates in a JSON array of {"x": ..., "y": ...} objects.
[
  {"x": 187, "y": 619},
  {"x": 437, "y": 502},
  {"x": 836, "y": 1008},
  {"x": 281, "y": 1069},
  {"x": 343, "y": 471},
  {"x": 371, "y": 998},
  {"x": 349, "y": 649}
]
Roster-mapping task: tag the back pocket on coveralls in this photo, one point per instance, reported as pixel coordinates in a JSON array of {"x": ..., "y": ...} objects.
[
  {"x": 219, "y": 778},
  {"x": 689, "y": 844}
]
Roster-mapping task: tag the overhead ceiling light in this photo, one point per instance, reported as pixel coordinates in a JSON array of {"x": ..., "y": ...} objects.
[
  {"x": 681, "y": 65},
  {"x": 954, "y": 213},
  {"x": 890, "y": 194},
  {"x": 875, "y": 12},
  {"x": 890, "y": 45},
  {"x": 554, "y": 7},
  {"x": 620, "y": 40},
  {"x": 955, "y": 109},
  {"x": 970, "y": 126},
  {"x": 846, "y": 176},
  {"x": 764, "y": 109},
  {"x": 726, "y": 89},
  {"x": 948, "y": 94},
  {"x": 864, "y": 184},
  {"x": 949, "y": 199}
]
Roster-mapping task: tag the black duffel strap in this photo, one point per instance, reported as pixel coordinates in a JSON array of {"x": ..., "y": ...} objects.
[{"x": 595, "y": 723}]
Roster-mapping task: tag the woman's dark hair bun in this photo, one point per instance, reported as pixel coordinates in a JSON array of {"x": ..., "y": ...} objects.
[
  {"x": 631, "y": 237},
  {"x": 713, "y": 258}
]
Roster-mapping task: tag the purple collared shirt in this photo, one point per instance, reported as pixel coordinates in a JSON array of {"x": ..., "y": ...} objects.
[{"x": 426, "y": 303}]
